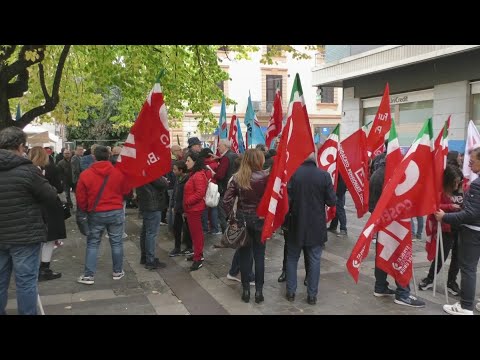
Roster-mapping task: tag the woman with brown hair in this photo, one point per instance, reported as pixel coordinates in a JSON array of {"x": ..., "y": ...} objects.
[
  {"x": 248, "y": 184},
  {"x": 53, "y": 215}
]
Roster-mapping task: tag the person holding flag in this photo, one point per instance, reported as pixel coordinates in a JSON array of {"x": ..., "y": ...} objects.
[{"x": 469, "y": 247}]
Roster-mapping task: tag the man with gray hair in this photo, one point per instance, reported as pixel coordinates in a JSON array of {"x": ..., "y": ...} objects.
[
  {"x": 223, "y": 174},
  {"x": 23, "y": 192},
  {"x": 309, "y": 190}
]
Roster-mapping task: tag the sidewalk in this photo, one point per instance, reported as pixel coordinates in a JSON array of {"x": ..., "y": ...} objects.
[{"x": 175, "y": 290}]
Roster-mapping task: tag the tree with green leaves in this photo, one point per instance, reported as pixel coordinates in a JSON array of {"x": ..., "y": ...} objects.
[{"x": 65, "y": 82}]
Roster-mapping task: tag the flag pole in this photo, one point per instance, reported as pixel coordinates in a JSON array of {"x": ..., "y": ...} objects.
[
  {"x": 443, "y": 266},
  {"x": 439, "y": 229}
]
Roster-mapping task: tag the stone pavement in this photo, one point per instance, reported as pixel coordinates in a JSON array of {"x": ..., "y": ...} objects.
[{"x": 176, "y": 291}]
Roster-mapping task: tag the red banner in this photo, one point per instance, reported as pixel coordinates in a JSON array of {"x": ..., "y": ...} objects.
[
  {"x": 380, "y": 127},
  {"x": 353, "y": 166},
  {"x": 146, "y": 155}
]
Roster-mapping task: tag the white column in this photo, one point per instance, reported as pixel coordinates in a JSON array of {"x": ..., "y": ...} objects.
[
  {"x": 452, "y": 99},
  {"x": 351, "y": 110}
]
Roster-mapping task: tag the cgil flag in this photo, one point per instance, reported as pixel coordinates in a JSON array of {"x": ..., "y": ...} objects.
[
  {"x": 327, "y": 160},
  {"x": 146, "y": 155},
  {"x": 380, "y": 127},
  {"x": 410, "y": 192},
  {"x": 296, "y": 144}
]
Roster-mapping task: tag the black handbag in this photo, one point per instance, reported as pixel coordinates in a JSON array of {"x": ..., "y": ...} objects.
[
  {"x": 82, "y": 216},
  {"x": 235, "y": 235}
]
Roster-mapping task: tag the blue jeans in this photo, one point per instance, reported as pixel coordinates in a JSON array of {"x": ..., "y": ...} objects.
[
  {"x": 99, "y": 221},
  {"x": 313, "y": 254},
  {"x": 419, "y": 230},
  {"x": 25, "y": 260},
  {"x": 235, "y": 268},
  {"x": 214, "y": 218},
  {"x": 148, "y": 236}
]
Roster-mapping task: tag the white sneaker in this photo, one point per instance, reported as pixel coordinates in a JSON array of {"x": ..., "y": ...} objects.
[
  {"x": 234, "y": 278},
  {"x": 118, "y": 276},
  {"x": 477, "y": 306},
  {"x": 456, "y": 309},
  {"x": 124, "y": 235},
  {"x": 87, "y": 280}
]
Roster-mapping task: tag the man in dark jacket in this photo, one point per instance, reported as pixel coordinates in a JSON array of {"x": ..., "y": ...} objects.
[
  {"x": 151, "y": 201},
  {"x": 469, "y": 246},
  {"x": 340, "y": 209},
  {"x": 310, "y": 190},
  {"x": 223, "y": 174},
  {"x": 23, "y": 192},
  {"x": 65, "y": 169}
]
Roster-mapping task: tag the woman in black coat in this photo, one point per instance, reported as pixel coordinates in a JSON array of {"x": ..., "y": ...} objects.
[{"x": 53, "y": 215}]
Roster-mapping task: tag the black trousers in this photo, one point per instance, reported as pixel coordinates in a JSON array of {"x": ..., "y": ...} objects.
[
  {"x": 450, "y": 242},
  {"x": 468, "y": 255},
  {"x": 177, "y": 230},
  {"x": 187, "y": 238}
]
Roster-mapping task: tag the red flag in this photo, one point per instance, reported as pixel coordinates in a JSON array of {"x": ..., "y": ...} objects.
[
  {"x": 381, "y": 126},
  {"x": 232, "y": 135},
  {"x": 275, "y": 123},
  {"x": 296, "y": 144},
  {"x": 409, "y": 193},
  {"x": 327, "y": 160},
  {"x": 439, "y": 165},
  {"x": 146, "y": 155},
  {"x": 353, "y": 167}
]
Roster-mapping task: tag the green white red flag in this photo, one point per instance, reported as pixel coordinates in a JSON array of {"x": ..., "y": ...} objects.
[
  {"x": 409, "y": 193},
  {"x": 296, "y": 144}
]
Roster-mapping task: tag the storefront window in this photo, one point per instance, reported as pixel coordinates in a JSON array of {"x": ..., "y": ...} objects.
[
  {"x": 409, "y": 118},
  {"x": 476, "y": 109},
  {"x": 321, "y": 133}
]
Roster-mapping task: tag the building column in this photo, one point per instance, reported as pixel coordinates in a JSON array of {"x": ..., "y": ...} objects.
[
  {"x": 351, "y": 111},
  {"x": 452, "y": 99}
]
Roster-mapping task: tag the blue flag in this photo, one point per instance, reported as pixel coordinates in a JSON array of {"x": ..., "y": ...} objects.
[
  {"x": 222, "y": 121},
  {"x": 241, "y": 144},
  {"x": 254, "y": 133}
]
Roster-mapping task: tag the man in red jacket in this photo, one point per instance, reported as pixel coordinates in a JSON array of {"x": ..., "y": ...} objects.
[{"x": 105, "y": 211}]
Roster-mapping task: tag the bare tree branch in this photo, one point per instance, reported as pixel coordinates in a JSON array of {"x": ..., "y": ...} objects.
[
  {"x": 41, "y": 74},
  {"x": 50, "y": 102}
]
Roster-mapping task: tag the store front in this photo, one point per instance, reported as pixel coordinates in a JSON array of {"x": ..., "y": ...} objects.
[{"x": 409, "y": 111}]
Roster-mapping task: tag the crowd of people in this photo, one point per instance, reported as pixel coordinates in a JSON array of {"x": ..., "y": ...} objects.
[{"x": 32, "y": 216}]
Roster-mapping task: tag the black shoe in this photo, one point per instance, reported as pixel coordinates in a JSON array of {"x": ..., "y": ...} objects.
[
  {"x": 143, "y": 260},
  {"x": 453, "y": 288},
  {"x": 282, "y": 277},
  {"x": 47, "y": 274},
  {"x": 156, "y": 265},
  {"x": 290, "y": 297},
  {"x": 196, "y": 265},
  {"x": 426, "y": 284},
  {"x": 259, "y": 296},
  {"x": 246, "y": 295},
  {"x": 190, "y": 258},
  {"x": 312, "y": 300},
  {"x": 175, "y": 252}
]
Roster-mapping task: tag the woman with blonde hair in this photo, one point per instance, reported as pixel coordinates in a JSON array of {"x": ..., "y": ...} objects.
[
  {"x": 248, "y": 184},
  {"x": 53, "y": 215}
]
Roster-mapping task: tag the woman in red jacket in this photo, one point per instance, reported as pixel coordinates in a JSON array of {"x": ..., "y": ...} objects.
[{"x": 194, "y": 204}]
